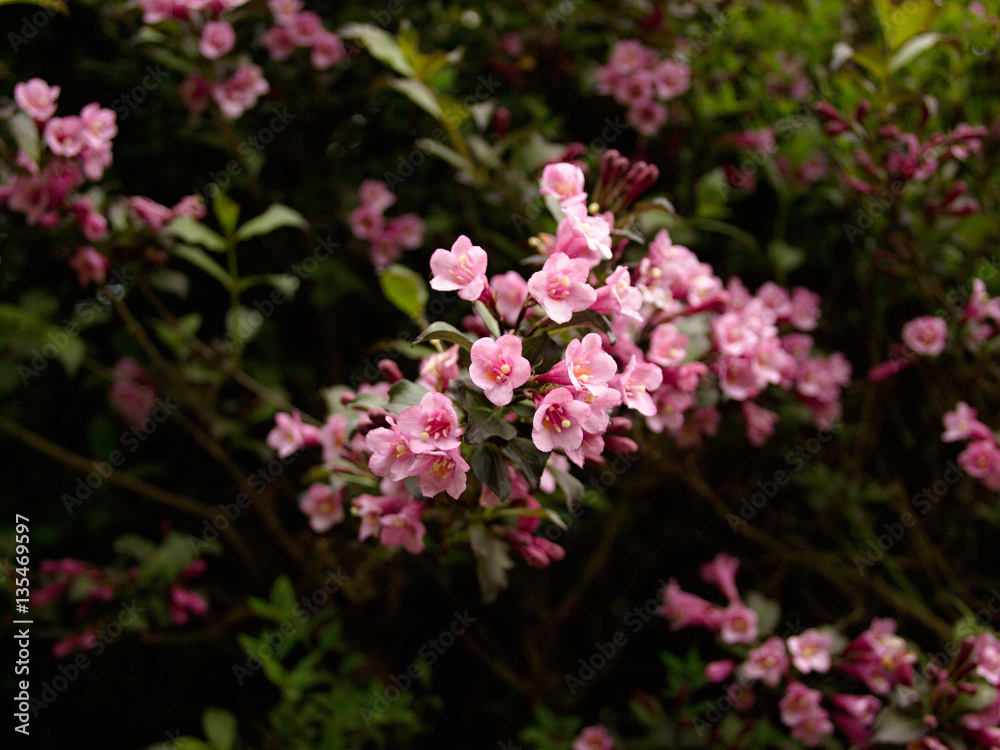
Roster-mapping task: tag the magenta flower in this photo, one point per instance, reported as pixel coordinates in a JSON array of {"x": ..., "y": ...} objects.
[
  {"x": 64, "y": 135},
  {"x": 981, "y": 459},
  {"x": 717, "y": 671},
  {"x": 811, "y": 729},
  {"x": 720, "y": 571},
  {"x": 637, "y": 382},
  {"x": 682, "y": 609},
  {"x": 799, "y": 703},
  {"x": 811, "y": 651},
  {"x": 595, "y": 230},
  {"x": 667, "y": 345},
  {"x": 587, "y": 366},
  {"x": 564, "y": 182},
  {"x": 323, "y": 505},
  {"x": 98, "y": 125},
  {"x": 561, "y": 287},
  {"x": 376, "y": 195},
  {"x": 593, "y": 738},
  {"x": 149, "y": 212},
  {"x": 558, "y": 421},
  {"x": 760, "y": 423},
  {"x": 391, "y": 453},
  {"x": 241, "y": 91},
  {"x": 671, "y": 79},
  {"x": 926, "y": 335},
  {"x": 90, "y": 265},
  {"x": 738, "y": 623},
  {"x": 432, "y": 425},
  {"x": 327, "y": 50},
  {"x": 864, "y": 708},
  {"x": 404, "y": 528},
  {"x": 510, "y": 291},
  {"x": 498, "y": 367},
  {"x": 441, "y": 471},
  {"x": 132, "y": 395},
  {"x": 767, "y": 663},
  {"x": 463, "y": 268},
  {"x": 986, "y": 654},
  {"x": 304, "y": 28},
  {"x": 36, "y": 98},
  {"x": 217, "y": 38},
  {"x": 290, "y": 434},
  {"x": 618, "y": 295}
]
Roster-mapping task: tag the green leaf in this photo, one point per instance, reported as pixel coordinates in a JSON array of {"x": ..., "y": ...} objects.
[
  {"x": 711, "y": 193},
  {"x": 896, "y": 728},
  {"x": 903, "y": 22},
  {"x": 785, "y": 257},
  {"x": 420, "y": 94},
  {"x": 441, "y": 331},
  {"x": 242, "y": 324},
  {"x": 220, "y": 728},
  {"x": 286, "y": 283},
  {"x": 912, "y": 49},
  {"x": 198, "y": 257},
  {"x": 275, "y": 217},
  {"x": 491, "y": 323},
  {"x": 403, "y": 394},
  {"x": 283, "y": 595},
  {"x": 405, "y": 288},
  {"x": 25, "y": 133},
  {"x": 55, "y": 5},
  {"x": 490, "y": 469},
  {"x": 26, "y": 331},
  {"x": 227, "y": 211},
  {"x": 571, "y": 486},
  {"x": 492, "y": 561},
  {"x": 194, "y": 232},
  {"x": 380, "y": 44},
  {"x": 486, "y": 423},
  {"x": 446, "y": 153},
  {"x": 528, "y": 458}
]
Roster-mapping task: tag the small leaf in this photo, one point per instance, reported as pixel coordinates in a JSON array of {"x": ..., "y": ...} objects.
[
  {"x": 491, "y": 323},
  {"x": 194, "y": 232},
  {"x": 403, "y": 394},
  {"x": 912, "y": 49},
  {"x": 198, "y": 257},
  {"x": 227, "y": 211},
  {"x": 492, "y": 561},
  {"x": 896, "y": 728},
  {"x": 486, "y": 423},
  {"x": 380, "y": 44},
  {"x": 490, "y": 469},
  {"x": 571, "y": 486},
  {"x": 528, "y": 458},
  {"x": 242, "y": 324},
  {"x": 785, "y": 257},
  {"x": 275, "y": 217},
  {"x": 441, "y": 331},
  {"x": 446, "y": 153},
  {"x": 420, "y": 94},
  {"x": 220, "y": 728},
  {"x": 283, "y": 594},
  {"x": 405, "y": 288},
  {"x": 286, "y": 283}
]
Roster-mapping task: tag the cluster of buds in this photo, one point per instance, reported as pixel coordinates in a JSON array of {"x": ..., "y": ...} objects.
[
  {"x": 873, "y": 691},
  {"x": 552, "y": 370},
  {"x": 639, "y": 79},
  {"x": 389, "y": 237},
  {"x": 294, "y": 27}
]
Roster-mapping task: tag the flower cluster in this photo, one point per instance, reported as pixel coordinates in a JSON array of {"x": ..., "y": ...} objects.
[
  {"x": 639, "y": 79},
  {"x": 389, "y": 237},
  {"x": 553, "y": 369},
  {"x": 294, "y": 27},
  {"x": 981, "y": 457},
  {"x": 960, "y": 700}
]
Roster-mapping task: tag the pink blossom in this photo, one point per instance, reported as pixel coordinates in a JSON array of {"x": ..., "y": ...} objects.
[
  {"x": 440, "y": 368},
  {"x": 811, "y": 729},
  {"x": 217, "y": 38},
  {"x": 290, "y": 434},
  {"x": 195, "y": 92},
  {"x": 805, "y": 309},
  {"x": 278, "y": 42},
  {"x": 183, "y": 604},
  {"x": 564, "y": 182},
  {"x": 811, "y": 651},
  {"x": 637, "y": 382},
  {"x": 736, "y": 378},
  {"x": 441, "y": 471},
  {"x": 407, "y": 230},
  {"x": 131, "y": 394},
  {"x": 149, "y": 212},
  {"x": 304, "y": 28},
  {"x": 391, "y": 453},
  {"x": 30, "y": 196},
  {"x": 98, "y": 124},
  {"x": 630, "y": 55},
  {"x": 376, "y": 195},
  {"x": 191, "y": 206},
  {"x": 981, "y": 458},
  {"x": 241, "y": 91},
  {"x": 332, "y": 436},
  {"x": 371, "y": 508},
  {"x": 327, "y": 50},
  {"x": 586, "y": 365},
  {"x": 738, "y": 623},
  {"x": 799, "y": 703},
  {"x": 717, "y": 671},
  {"x": 323, "y": 505},
  {"x": 64, "y": 135},
  {"x": 90, "y": 265},
  {"x": 36, "y": 98},
  {"x": 926, "y": 335},
  {"x": 987, "y": 656},
  {"x": 95, "y": 159},
  {"x": 594, "y": 229},
  {"x": 767, "y": 663},
  {"x": 760, "y": 423},
  {"x": 558, "y": 421},
  {"x": 510, "y": 291},
  {"x": 683, "y": 610},
  {"x": 667, "y": 345},
  {"x": 721, "y": 572},
  {"x": 366, "y": 223},
  {"x": 498, "y": 367},
  {"x": 593, "y": 738},
  {"x": 404, "y": 528},
  {"x": 636, "y": 89},
  {"x": 864, "y": 708},
  {"x": 463, "y": 268},
  {"x": 284, "y": 10},
  {"x": 432, "y": 425},
  {"x": 561, "y": 287},
  {"x": 618, "y": 295},
  {"x": 647, "y": 117},
  {"x": 671, "y": 79}
]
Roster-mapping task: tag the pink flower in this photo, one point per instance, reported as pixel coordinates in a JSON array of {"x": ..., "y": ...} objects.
[
  {"x": 132, "y": 395},
  {"x": 618, "y": 295},
  {"x": 440, "y": 368},
  {"x": 64, "y": 135},
  {"x": 366, "y": 223},
  {"x": 36, "y": 98},
  {"x": 717, "y": 671},
  {"x": 195, "y": 92},
  {"x": 404, "y": 528},
  {"x": 564, "y": 182},
  {"x": 864, "y": 708},
  {"x": 375, "y": 195},
  {"x": 558, "y": 421},
  {"x": 441, "y": 471},
  {"x": 327, "y": 50},
  {"x": 90, "y": 265},
  {"x": 637, "y": 382},
  {"x": 392, "y": 455},
  {"x": 811, "y": 651},
  {"x": 290, "y": 434},
  {"x": 561, "y": 287},
  {"x": 805, "y": 309},
  {"x": 630, "y": 55},
  {"x": 284, "y": 10},
  {"x": 981, "y": 459},
  {"x": 738, "y": 623},
  {"x": 149, "y": 212},
  {"x": 510, "y": 291},
  {"x": 647, "y": 117},
  {"x": 217, "y": 38},
  {"x": 98, "y": 125},
  {"x": 799, "y": 703},
  {"x": 667, "y": 345},
  {"x": 407, "y": 230},
  {"x": 961, "y": 424},
  {"x": 595, "y": 230},
  {"x": 721, "y": 572},
  {"x": 191, "y": 206},
  {"x": 683, "y": 610},
  {"x": 811, "y": 729},
  {"x": 304, "y": 27},
  {"x": 432, "y": 425},
  {"x": 498, "y": 367},
  {"x": 463, "y": 268},
  {"x": 926, "y": 335},
  {"x": 241, "y": 91},
  {"x": 986, "y": 654},
  {"x": 586, "y": 364},
  {"x": 278, "y": 42},
  {"x": 767, "y": 663},
  {"x": 184, "y": 603},
  {"x": 323, "y": 505},
  {"x": 760, "y": 423},
  {"x": 671, "y": 79},
  {"x": 593, "y": 738}
]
